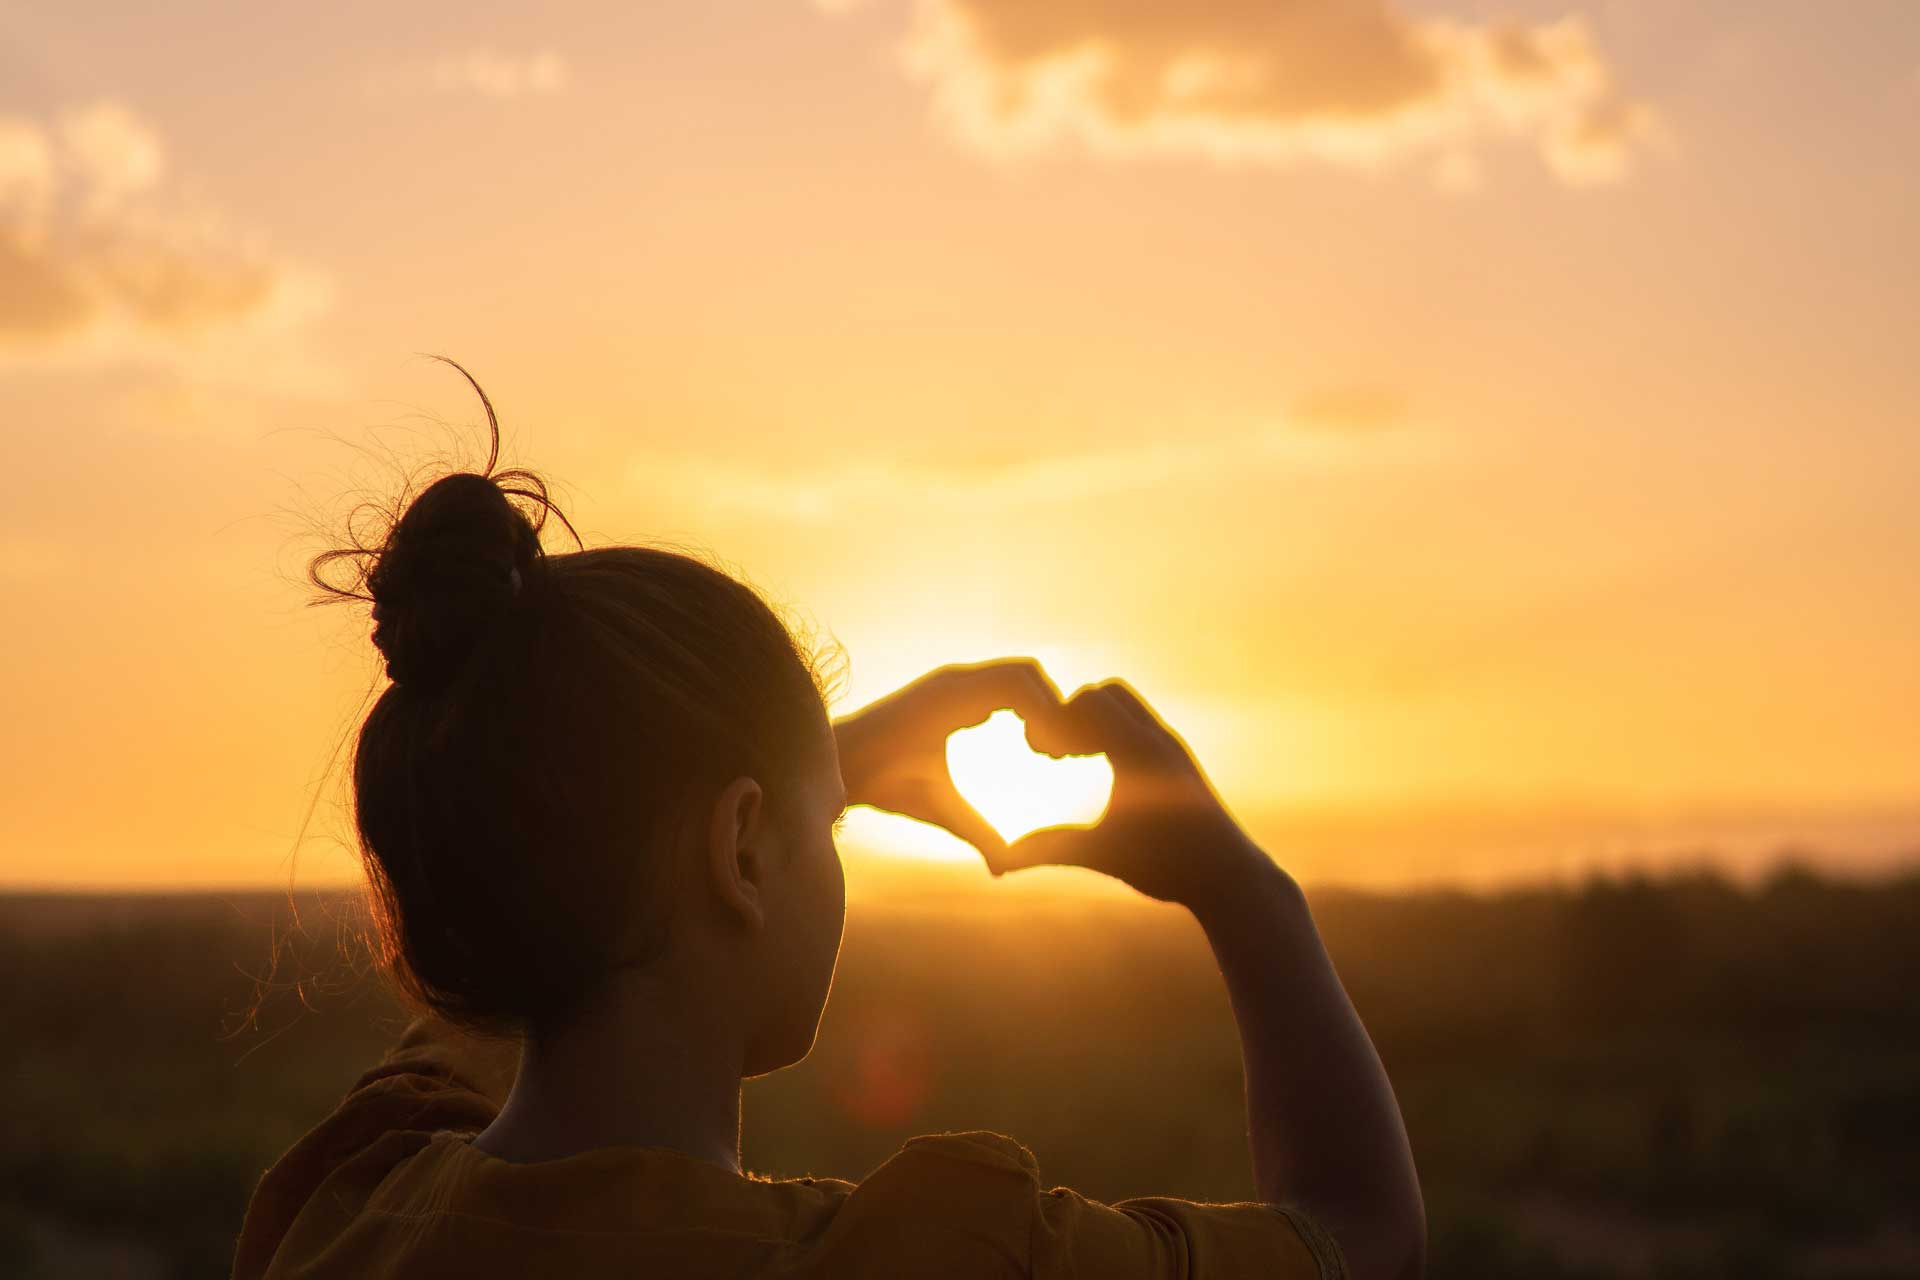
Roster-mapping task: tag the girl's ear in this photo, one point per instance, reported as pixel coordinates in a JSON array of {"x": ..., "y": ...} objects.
[{"x": 735, "y": 861}]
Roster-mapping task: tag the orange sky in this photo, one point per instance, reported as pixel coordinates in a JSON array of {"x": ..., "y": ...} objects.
[{"x": 1492, "y": 439}]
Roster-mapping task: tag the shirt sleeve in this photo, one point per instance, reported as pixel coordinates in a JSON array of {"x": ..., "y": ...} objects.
[
  {"x": 435, "y": 1078},
  {"x": 989, "y": 1187},
  {"x": 1160, "y": 1238}
]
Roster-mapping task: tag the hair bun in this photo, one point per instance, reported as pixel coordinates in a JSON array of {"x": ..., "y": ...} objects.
[{"x": 451, "y": 566}]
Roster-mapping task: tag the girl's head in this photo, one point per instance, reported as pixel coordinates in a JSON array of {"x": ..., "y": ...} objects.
[{"x": 586, "y": 764}]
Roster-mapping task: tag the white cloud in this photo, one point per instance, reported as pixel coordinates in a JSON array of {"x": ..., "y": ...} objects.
[
  {"x": 26, "y": 168},
  {"x": 112, "y": 154},
  {"x": 472, "y": 73},
  {"x": 1349, "y": 82},
  {"x": 498, "y": 75},
  {"x": 829, "y": 491},
  {"x": 100, "y": 256}
]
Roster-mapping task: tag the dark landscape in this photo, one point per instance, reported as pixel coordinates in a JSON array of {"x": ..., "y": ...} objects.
[{"x": 1627, "y": 1077}]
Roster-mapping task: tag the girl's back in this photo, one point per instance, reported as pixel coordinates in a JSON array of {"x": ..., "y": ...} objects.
[
  {"x": 597, "y": 805},
  {"x": 391, "y": 1186}
]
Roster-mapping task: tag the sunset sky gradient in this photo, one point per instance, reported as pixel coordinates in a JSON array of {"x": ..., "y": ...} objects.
[{"x": 1490, "y": 434}]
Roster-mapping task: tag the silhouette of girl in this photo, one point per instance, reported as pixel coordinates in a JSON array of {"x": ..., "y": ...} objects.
[{"x": 597, "y": 807}]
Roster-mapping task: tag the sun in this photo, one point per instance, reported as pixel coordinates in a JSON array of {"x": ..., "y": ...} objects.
[{"x": 1019, "y": 790}]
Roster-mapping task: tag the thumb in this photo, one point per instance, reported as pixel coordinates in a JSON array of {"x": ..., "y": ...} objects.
[
  {"x": 963, "y": 820},
  {"x": 1047, "y": 847}
]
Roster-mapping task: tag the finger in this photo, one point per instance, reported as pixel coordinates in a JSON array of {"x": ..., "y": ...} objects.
[
  {"x": 1048, "y": 847},
  {"x": 1130, "y": 701},
  {"x": 1093, "y": 722},
  {"x": 1078, "y": 728},
  {"x": 1020, "y": 685},
  {"x": 949, "y": 810}
]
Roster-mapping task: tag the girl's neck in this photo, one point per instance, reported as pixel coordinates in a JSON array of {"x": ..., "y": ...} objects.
[{"x": 642, "y": 1066}]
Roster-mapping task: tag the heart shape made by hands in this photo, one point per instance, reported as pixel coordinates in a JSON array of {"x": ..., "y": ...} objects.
[{"x": 1018, "y": 790}]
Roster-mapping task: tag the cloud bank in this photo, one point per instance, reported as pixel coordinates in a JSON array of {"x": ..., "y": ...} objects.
[
  {"x": 98, "y": 253},
  {"x": 1356, "y": 83},
  {"x": 497, "y": 75},
  {"x": 814, "y": 495}
]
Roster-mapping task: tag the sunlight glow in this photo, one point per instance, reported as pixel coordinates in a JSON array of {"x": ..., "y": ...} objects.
[
  {"x": 1440, "y": 583},
  {"x": 874, "y": 831},
  {"x": 1019, "y": 790}
]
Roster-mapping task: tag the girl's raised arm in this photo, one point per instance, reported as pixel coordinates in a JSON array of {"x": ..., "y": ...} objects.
[{"x": 1325, "y": 1128}]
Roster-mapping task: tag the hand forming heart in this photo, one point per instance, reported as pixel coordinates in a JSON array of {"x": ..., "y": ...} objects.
[
  {"x": 1163, "y": 829},
  {"x": 894, "y": 755}
]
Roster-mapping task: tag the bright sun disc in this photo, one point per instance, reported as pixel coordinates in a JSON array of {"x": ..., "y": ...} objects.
[{"x": 1019, "y": 790}]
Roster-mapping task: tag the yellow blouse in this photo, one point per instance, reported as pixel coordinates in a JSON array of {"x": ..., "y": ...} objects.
[{"x": 390, "y": 1186}]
